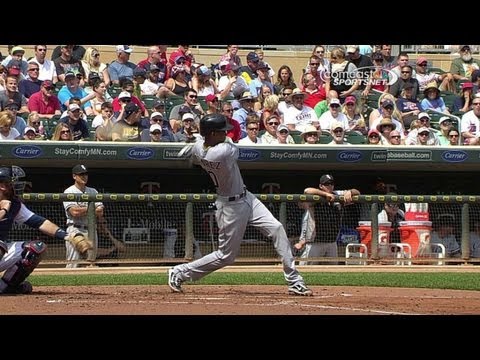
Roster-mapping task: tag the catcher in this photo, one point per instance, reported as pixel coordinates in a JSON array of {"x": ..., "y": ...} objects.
[
  {"x": 19, "y": 258},
  {"x": 76, "y": 213}
]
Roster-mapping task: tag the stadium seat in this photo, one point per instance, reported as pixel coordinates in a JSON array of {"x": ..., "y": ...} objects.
[
  {"x": 297, "y": 137},
  {"x": 149, "y": 100},
  {"x": 325, "y": 137},
  {"x": 355, "y": 138}
]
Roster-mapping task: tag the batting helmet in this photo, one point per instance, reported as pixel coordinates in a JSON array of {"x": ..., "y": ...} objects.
[{"x": 214, "y": 122}]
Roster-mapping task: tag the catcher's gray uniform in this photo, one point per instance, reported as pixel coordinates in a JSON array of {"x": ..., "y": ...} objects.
[{"x": 236, "y": 208}]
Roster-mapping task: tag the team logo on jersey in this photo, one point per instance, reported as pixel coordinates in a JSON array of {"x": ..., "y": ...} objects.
[
  {"x": 349, "y": 156},
  {"x": 140, "y": 153},
  {"x": 249, "y": 155},
  {"x": 454, "y": 156},
  {"x": 27, "y": 151}
]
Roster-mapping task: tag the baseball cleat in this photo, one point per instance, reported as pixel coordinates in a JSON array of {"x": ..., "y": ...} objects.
[
  {"x": 173, "y": 281},
  {"x": 23, "y": 288},
  {"x": 299, "y": 289}
]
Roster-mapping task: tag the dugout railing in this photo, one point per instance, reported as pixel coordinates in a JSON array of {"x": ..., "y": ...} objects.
[{"x": 162, "y": 229}]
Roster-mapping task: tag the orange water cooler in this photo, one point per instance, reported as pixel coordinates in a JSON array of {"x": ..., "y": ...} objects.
[
  {"x": 365, "y": 230},
  {"x": 417, "y": 235}
]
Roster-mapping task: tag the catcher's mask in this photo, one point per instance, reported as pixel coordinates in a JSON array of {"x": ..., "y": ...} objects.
[{"x": 11, "y": 174}]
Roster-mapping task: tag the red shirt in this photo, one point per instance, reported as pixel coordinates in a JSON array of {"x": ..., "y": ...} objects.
[
  {"x": 311, "y": 99},
  {"x": 234, "y": 133},
  {"x": 116, "y": 106},
  {"x": 36, "y": 103}
]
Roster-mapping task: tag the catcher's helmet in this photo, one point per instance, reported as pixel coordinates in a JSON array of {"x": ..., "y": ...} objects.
[
  {"x": 11, "y": 174},
  {"x": 214, "y": 122},
  {"x": 5, "y": 174}
]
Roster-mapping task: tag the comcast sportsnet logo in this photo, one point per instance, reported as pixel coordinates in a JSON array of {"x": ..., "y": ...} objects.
[{"x": 367, "y": 74}]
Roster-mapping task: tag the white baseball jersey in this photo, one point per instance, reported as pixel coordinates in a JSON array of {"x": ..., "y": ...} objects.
[
  {"x": 220, "y": 162},
  {"x": 79, "y": 221}
]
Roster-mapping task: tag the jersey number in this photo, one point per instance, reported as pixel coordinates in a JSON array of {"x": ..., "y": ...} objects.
[{"x": 213, "y": 177}]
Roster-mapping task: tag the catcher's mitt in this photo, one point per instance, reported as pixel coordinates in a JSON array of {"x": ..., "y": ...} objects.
[{"x": 80, "y": 242}]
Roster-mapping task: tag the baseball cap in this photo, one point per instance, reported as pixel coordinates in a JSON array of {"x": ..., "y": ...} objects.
[
  {"x": 203, "y": 70},
  {"x": 251, "y": 56},
  {"x": 187, "y": 116},
  {"x": 73, "y": 107},
  {"x": 467, "y": 85},
  {"x": 352, "y": 48},
  {"x": 158, "y": 103},
  {"x": 282, "y": 127},
  {"x": 131, "y": 108},
  {"x": 139, "y": 71},
  {"x": 124, "y": 48},
  {"x": 350, "y": 100},
  {"x": 262, "y": 65},
  {"x": 155, "y": 127},
  {"x": 12, "y": 106},
  {"x": 373, "y": 131},
  {"x": 377, "y": 56},
  {"x": 153, "y": 67},
  {"x": 79, "y": 169},
  {"x": 93, "y": 76},
  {"x": 334, "y": 101},
  {"x": 422, "y": 115},
  {"x": 14, "y": 67},
  {"x": 387, "y": 102},
  {"x": 70, "y": 74},
  {"x": 210, "y": 97},
  {"x": 180, "y": 57},
  {"x": 184, "y": 109},
  {"x": 18, "y": 49},
  {"x": 326, "y": 178},
  {"x": 421, "y": 60},
  {"x": 124, "y": 94},
  {"x": 336, "y": 125},
  {"x": 422, "y": 129},
  {"x": 223, "y": 63},
  {"x": 27, "y": 129},
  {"x": 464, "y": 47},
  {"x": 444, "y": 118},
  {"x": 156, "y": 114}
]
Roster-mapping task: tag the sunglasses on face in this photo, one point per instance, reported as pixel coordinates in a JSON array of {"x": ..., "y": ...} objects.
[
  {"x": 192, "y": 96},
  {"x": 283, "y": 132},
  {"x": 395, "y": 137},
  {"x": 453, "y": 135},
  {"x": 273, "y": 123},
  {"x": 373, "y": 136}
]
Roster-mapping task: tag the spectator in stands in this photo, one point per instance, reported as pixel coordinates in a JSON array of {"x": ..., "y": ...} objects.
[
  {"x": 270, "y": 106},
  {"x": 388, "y": 59},
  {"x": 47, "y": 67},
  {"x": 324, "y": 65},
  {"x": 188, "y": 132},
  {"x": 203, "y": 83},
  {"x": 265, "y": 92},
  {"x": 352, "y": 112},
  {"x": 35, "y": 123},
  {"x": 453, "y": 137},
  {"x": 18, "y": 122},
  {"x": 408, "y": 105},
  {"x": 284, "y": 78},
  {"x": 384, "y": 109},
  {"x": 66, "y": 63},
  {"x": 379, "y": 79},
  {"x": 285, "y": 100},
  {"x": 248, "y": 72},
  {"x": 373, "y": 137},
  {"x": 31, "y": 84},
  {"x": 17, "y": 54},
  {"x": 463, "y": 67},
  {"x": 78, "y": 126},
  {"x": 324, "y": 105},
  {"x": 476, "y": 81},
  {"x": 156, "y": 118},
  {"x": 424, "y": 136},
  {"x": 445, "y": 124},
  {"x": 271, "y": 72},
  {"x": 91, "y": 63},
  {"x": 310, "y": 135},
  {"x": 177, "y": 83},
  {"x": 343, "y": 76},
  {"x": 155, "y": 131},
  {"x": 235, "y": 132},
  {"x": 191, "y": 104},
  {"x": 213, "y": 104},
  {"x": 362, "y": 62},
  {"x": 7, "y": 132},
  {"x": 3, "y": 77},
  {"x": 73, "y": 89},
  {"x": 424, "y": 78},
  {"x": 11, "y": 94},
  {"x": 122, "y": 67},
  {"x": 262, "y": 79},
  {"x": 470, "y": 124},
  {"x": 246, "y": 107},
  {"x": 62, "y": 132},
  {"x": 313, "y": 94},
  {"x": 182, "y": 51},
  {"x": 271, "y": 125},
  {"x": 444, "y": 233},
  {"x": 385, "y": 127},
  {"x": 78, "y": 51},
  {"x": 283, "y": 135},
  {"x": 338, "y": 134},
  {"x": 44, "y": 102},
  {"x": 29, "y": 133},
  {"x": 405, "y": 78},
  {"x": 103, "y": 123},
  {"x": 253, "y": 126},
  {"x": 127, "y": 128},
  {"x": 298, "y": 116},
  {"x": 154, "y": 57},
  {"x": 13, "y": 69},
  {"x": 433, "y": 100},
  {"x": 395, "y": 138},
  {"x": 333, "y": 115},
  {"x": 463, "y": 103},
  {"x": 231, "y": 56},
  {"x": 326, "y": 219},
  {"x": 128, "y": 87},
  {"x": 99, "y": 89},
  {"x": 230, "y": 84}
]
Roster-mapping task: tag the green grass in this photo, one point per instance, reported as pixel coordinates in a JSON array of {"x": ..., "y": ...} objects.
[{"x": 460, "y": 281}]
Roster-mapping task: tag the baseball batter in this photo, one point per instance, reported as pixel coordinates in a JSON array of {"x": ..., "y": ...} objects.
[
  {"x": 236, "y": 208},
  {"x": 19, "y": 258},
  {"x": 76, "y": 212}
]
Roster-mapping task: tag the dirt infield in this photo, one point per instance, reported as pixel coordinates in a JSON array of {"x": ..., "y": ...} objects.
[{"x": 242, "y": 300}]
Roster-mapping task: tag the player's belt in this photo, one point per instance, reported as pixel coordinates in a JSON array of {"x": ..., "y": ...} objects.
[
  {"x": 236, "y": 197},
  {"x": 85, "y": 227}
]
